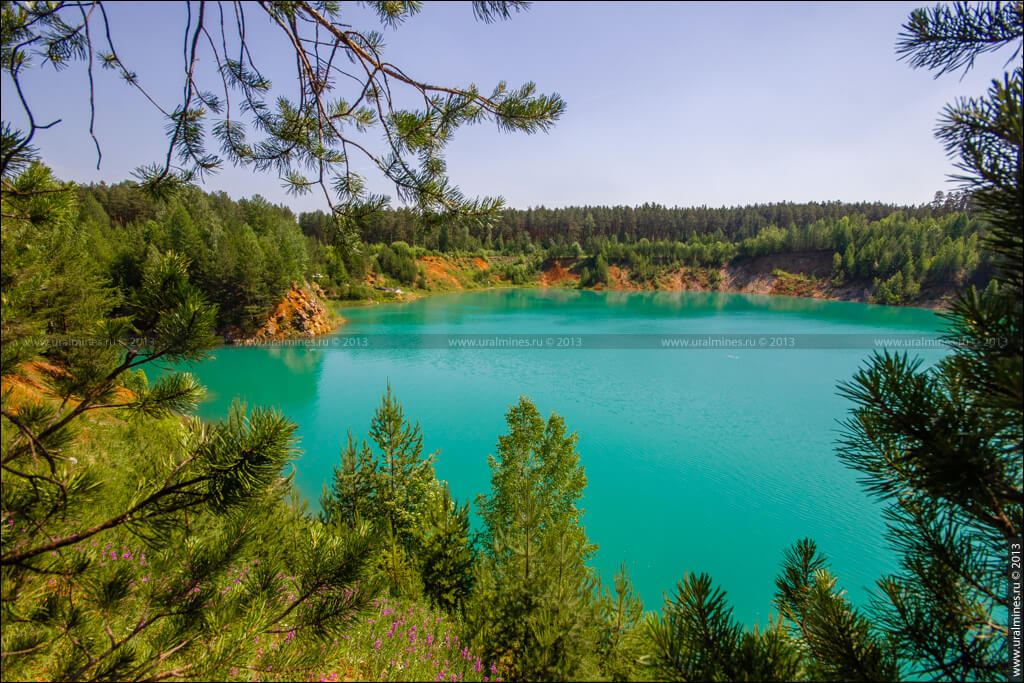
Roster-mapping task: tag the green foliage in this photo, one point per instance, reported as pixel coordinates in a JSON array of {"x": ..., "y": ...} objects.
[
  {"x": 838, "y": 643},
  {"x": 356, "y": 292},
  {"x": 949, "y": 38},
  {"x": 446, "y": 554},
  {"x": 697, "y": 639},
  {"x": 563, "y": 232},
  {"x": 398, "y": 262},
  {"x": 837, "y": 273},
  {"x": 948, "y": 464},
  {"x": 536, "y": 459},
  {"x": 936, "y": 246},
  {"x": 532, "y": 610},
  {"x": 243, "y": 256},
  {"x": 159, "y": 545},
  {"x": 52, "y": 285},
  {"x": 818, "y": 636},
  {"x": 521, "y": 272},
  {"x": 620, "y": 645},
  {"x": 482, "y": 276},
  {"x": 141, "y": 543},
  {"x": 888, "y": 292},
  {"x": 599, "y": 275}
]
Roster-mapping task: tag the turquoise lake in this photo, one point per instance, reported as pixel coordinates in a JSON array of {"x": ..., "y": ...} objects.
[{"x": 703, "y": 460}]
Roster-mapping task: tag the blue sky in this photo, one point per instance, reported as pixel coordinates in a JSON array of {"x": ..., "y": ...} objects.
[{"x": 676, "y": 103}]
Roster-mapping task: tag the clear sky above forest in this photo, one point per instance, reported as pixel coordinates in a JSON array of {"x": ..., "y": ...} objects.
[{"x": 674, "y": 103}]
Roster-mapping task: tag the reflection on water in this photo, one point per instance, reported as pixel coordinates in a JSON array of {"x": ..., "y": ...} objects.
[{"x": 283, "y": 376}]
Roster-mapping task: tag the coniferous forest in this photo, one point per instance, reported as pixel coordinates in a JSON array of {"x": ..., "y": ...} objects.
[{"x": 140, "y": 542}]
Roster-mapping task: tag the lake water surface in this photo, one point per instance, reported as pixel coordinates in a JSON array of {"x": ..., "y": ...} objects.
[{"x": 704, "y": 460}]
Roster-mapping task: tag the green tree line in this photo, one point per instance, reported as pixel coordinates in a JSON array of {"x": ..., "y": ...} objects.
[
  {"x": 543, "y": 226},
  {"x": 244, "y": 255}
]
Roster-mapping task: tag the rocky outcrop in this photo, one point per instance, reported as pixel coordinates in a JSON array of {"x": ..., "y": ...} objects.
[{"x": 301, "y": 313}]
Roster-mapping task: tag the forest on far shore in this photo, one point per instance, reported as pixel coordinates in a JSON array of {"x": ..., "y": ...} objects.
[{"x": 245, "y": 254}]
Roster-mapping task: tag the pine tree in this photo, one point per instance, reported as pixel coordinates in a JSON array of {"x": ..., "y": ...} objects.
[
  {"x": 444, "y": 240},
  {"x": 445, "y": 553},
  {"x": 620, "y": 644},
  {"x": 183, "y": 237},
  {"x": 850, "y": 260},
  {"x": 51, "y": 283},
  {"x": 347, "y": 502},
  {"x": 941, "y": 446},
  {"x": 696, "y": 639},
  {"x": 233, "y": 102},
  {"x": 601, "y": 269},
  {"x": 818, "y": 636},
  {"x": 836, "y": 641},
  {"x": 405, "y": 477},
  {"x": 837, "y": 268}
]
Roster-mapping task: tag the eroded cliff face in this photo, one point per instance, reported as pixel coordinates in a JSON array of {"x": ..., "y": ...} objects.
[
  {"x": 803, "y": 274},
  {"x": 301, "y": 313}
]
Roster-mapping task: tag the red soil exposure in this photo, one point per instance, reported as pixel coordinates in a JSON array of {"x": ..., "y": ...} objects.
[
  {"x": 444, "y": 271},
  {"x": 618, "y": 278},
  {"x": 557, "y": 273},
  {"x": 29, "y": 382},
  {"x": 438, "y": 270},
  {"x": 299, "y": 314}
]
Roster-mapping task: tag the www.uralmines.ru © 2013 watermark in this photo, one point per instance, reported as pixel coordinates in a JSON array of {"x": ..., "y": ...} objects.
[
  {"x": 558, "y": 340},
  {"x": 1014, "y": 612}
]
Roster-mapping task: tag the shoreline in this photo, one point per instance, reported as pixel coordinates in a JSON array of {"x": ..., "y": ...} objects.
[
  {"x": 415, "y": 295},
  {"x": 319, "y": 315}
]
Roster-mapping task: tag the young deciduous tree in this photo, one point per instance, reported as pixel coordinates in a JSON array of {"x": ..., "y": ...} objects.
[
  {"x": 393, "y": 489},
  {"x": 532, "y": 610}
]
